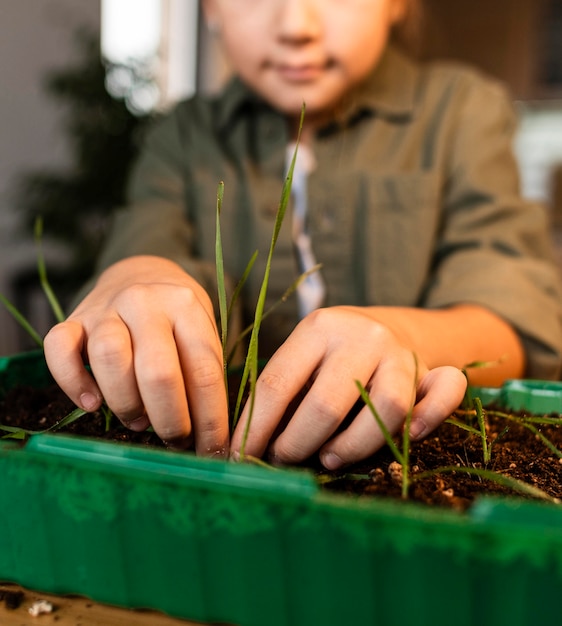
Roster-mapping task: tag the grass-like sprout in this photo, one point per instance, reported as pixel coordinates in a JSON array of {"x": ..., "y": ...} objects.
[
  {"x": 42, "y": 269},
  {"x": 486, "y": 450},
  {"x": 501, "y": 479},
  {"x": 219, "y": 262},
  {"x": 45, "y": 285},
  {"x": 290, "y": 290},
  {"x": 480, "y": 414},
  {"x": 250, "y": 368},
  {"x": 21, "y": 320},
  {"x": 21, "y": 433},
  {"x": 401, "y": 456},
  {"x": 529, "y": 422}
]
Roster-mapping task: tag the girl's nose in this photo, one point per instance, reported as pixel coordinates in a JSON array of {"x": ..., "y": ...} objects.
[{"x": 298, "y": 20}]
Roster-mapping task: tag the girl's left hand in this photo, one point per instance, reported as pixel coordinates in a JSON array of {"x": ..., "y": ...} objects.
[{"x": 326, "y": 354}]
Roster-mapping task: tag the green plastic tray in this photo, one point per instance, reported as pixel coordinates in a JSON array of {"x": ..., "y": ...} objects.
[{"x": 218, "y": 542}]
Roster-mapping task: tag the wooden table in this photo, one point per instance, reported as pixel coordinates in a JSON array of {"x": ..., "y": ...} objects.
[{"x": 77, "y": 611}]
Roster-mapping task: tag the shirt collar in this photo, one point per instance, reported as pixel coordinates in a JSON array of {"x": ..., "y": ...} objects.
[
  {"x": 389, "y": 91},
  {"x": 380, "y": 94}
]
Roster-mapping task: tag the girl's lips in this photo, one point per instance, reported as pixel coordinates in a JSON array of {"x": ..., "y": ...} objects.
[{"x": 299, "y": 73}]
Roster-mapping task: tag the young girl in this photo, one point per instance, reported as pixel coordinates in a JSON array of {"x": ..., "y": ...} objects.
[{"x": 408, "y": 199}]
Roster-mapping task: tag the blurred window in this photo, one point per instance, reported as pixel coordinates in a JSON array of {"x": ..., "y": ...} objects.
[{"x": 155, "y": 40}]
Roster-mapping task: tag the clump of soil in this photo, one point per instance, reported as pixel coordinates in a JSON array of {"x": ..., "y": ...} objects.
[
  {"x": 516, "y": 452},
  {"x": 12, "y": 598}
]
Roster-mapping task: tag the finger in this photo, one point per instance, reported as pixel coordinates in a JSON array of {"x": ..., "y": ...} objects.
[
  {"x": 278, "y": 384},
  {"x": 440, "y": 392},
  {"x": 110, "y": 355},
  {"x": 201, "y": 361},
  {"x": 322, "y": 410},
  {"x": 391, "y": 392},
  {"x": 63, "y": 346}
]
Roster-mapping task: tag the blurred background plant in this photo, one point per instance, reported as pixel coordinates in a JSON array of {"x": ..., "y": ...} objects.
[{"x": 107, "y": 106}]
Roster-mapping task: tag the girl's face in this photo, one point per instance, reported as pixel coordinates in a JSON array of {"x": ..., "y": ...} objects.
[{"x": 295, "y": 51}]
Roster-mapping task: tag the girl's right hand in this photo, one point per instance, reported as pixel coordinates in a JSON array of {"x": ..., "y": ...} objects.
[{"x": 147, "y": 330}]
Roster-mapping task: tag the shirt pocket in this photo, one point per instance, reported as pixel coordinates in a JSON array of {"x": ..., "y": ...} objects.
[
  {"x": 402, "y": 223},
  {"x": 375, "y": 236}
]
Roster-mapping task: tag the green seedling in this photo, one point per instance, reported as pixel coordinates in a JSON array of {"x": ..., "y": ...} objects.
[
  {"x": 486, "y": 450},
  {"x": 468, "y": 401},
  {"x": 401, "y": 456},
  {"x": 501, "y": 479},
  {"x": 42, "y": 269},
  {"x": 481, "y": 432},
  {"x": 45, "y": 285},
  {"x": 20, "y": 433},
  {"x": 529, "y": 424},
  {"x": 292, "y": 288},
  {"x": 21, "y": 320},
  {"x": 251, "y": 363},
  {"x": 219, "y": 262}
]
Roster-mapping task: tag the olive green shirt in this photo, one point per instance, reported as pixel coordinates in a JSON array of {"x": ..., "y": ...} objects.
[{"x": 414, "y": 201}]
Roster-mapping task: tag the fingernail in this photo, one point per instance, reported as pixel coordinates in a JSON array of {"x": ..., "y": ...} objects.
[
  {"x": 331, "y": 461},
  {"x": 417, "y": 429},
  {"x": 235, "y": 456},
  {"x": 89, "y": 401},
  {"x": 139, "y": 424}
]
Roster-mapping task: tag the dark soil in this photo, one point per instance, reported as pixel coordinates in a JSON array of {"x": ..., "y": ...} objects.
[{"x": 516, "y": 452}]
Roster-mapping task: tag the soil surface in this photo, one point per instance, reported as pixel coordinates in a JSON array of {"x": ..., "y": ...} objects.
[{"x": 516, "y": 452}]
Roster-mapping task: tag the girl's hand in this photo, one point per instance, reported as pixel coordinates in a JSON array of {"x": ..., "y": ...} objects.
[
  {"x": 147, "y": 330},
  {"x": 327, "y": 352}
]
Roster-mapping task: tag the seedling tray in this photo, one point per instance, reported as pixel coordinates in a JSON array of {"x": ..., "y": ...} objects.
[{"x": 219, "y": 542}]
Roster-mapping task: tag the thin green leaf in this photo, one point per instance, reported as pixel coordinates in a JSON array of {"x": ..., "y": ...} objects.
[
  {"x": 16, "y": 433},
  {"x": 386, "y": 433},
  {"x": 108, "y": 415},
  {"x": 406, "y": 436},
  {"x": 257, "y": 461},
  {"x": 480, "y": 416},
  {"x": 529, "y": 426},
  {"x": 545, "y": 420},
  {"x": 21, "y": 433},
  {"x": 272, "y": 308},
  {"x": 528, "y": 422},
  {"x": 220, "y": 266},
  {"x": 484, "y": 364},
  {"x": 251, "y": 363},
  {"x": 462, "y": 425},
  {"x": 67, "y": 420},
  {"x": 500, "y": 479},
  {"x": 241, "y": 283},
  {"x": 221, "y": 286},
  {"x": 325, "y": 479},
  {"x": 544, "y": 439},
  {"x": 45, "y": 285},
  {"x": 21, "y": 320}
]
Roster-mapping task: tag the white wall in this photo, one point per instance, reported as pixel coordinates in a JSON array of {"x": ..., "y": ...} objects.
[{"x": 35, "y": 36}]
